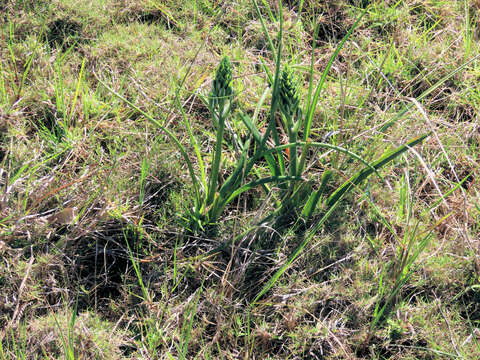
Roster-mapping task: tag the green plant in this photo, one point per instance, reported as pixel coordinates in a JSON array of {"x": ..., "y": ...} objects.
[
  {"x": 400, "y": 269},
  {"x": 296, "y": 196},
  {"x": 68, "y": 343},
  {"x": 410, "y": 248},
  {"x": 61, "y": 96},
  {"x": 12, "y": 77},
  {"x": 11, "y": 347},
  {"x": 219, "y": 103}
]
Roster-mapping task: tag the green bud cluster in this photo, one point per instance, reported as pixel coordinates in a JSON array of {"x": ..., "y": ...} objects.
[
  {"x": 222, "y": 84},
  {"x": 289, "y": 93}
]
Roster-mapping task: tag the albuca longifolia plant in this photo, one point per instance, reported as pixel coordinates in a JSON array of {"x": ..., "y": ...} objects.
[
  {"x": 292, "y": 193},
  {"x": 295, "y": 196},
  {"x": 211, "y": 197}
]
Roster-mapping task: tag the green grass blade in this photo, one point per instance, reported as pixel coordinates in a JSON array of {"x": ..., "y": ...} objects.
[
  {"x": 310, "y": 82},
  {"x": 275, "y": 95},
  {"x": 261, "y": 143},
  {"x": 216, "y": 159},
  {"x": 299, "y": 11},
  {"x": 313, "y": 103},
  {"x": 77, "y": 91},
  {"x": 264, "y": 28},
  {"x": 269, "y": 11},
  {"x": 366, "y": 172},
  {"x": 165, "y": 12},
  {"x": 193, "y": 141},
  {"x": 3, "y": 87},
  {"x": 238, "y": 174},
  {"x": 59, "y": 92},
  {"x": 313, "y": 199}
]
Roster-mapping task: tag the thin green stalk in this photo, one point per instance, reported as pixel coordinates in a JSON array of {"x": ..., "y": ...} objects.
[
  {"x": 59, "y": 92},
  {"x": 269, "y": 11},
  {"x": 77, "y": 91},
  {"x": 314, "y": 198},
  {"x": 299, "y": 11},
  {"x": 187, "y": 327},
  {"x": 143, "y": 176},
  {"x": 313, "y": 103},
  {"x": 216, "y": 158},
  {"x": 3, "y": 88},
  {"x": 193, "y": 141},
  {"x": 136, "y": 267},
  {"x": 275, "y": 95}
]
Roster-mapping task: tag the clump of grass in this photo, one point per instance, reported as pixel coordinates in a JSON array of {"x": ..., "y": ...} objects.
[{"x": 64, "y": 335}]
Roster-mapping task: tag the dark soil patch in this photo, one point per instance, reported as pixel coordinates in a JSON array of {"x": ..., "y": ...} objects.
[
  {"x": 328, "y": 18},
  {"x": 64, "y": 33},
  {"x": 377, "y": 348},
  {"x": 359, "y": 3},
  {"x": 470, "y": 302},
  {"x": 440, "y": 100},
  {"x": 337, "y": 307},
  {"x": 333, "y": 256},
  {"x": 254, "y": 261},
  {"x": 233, "y": 22},
  {"x": 156, "y": 193},
  {"x": 383, "y": 29},
  {"x": 460, "y": 113},
  {"x": 198, "y": 109},
  {"x": 425, "y": 293},
  {"x": 462, "y": 172},
  {"x": 100, "y": 262},
  {"x": 328, "y": 307},
  {"x": 127, "y": 349},
  {"x": 271, "y": 345},
  {"x": 258, "y": 272},
  {"x": 3, "y": 148},
  {"x": 318, "y": 348},
  {"x": 333, "y": 28},
  {"x": 151, "y": 17}
]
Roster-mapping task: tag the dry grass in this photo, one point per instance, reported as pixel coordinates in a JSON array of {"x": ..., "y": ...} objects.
[{"x": 73, "y": 230}]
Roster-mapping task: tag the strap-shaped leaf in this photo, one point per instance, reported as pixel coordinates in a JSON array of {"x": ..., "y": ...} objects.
[
  {"x": 332, "y": 203},
  {"x": 363, "y": 174}
]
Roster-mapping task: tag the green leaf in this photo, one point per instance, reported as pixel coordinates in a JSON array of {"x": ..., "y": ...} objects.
[
  {"x": 366, "y": 172},
  {"x": 332, "y": 203}
]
